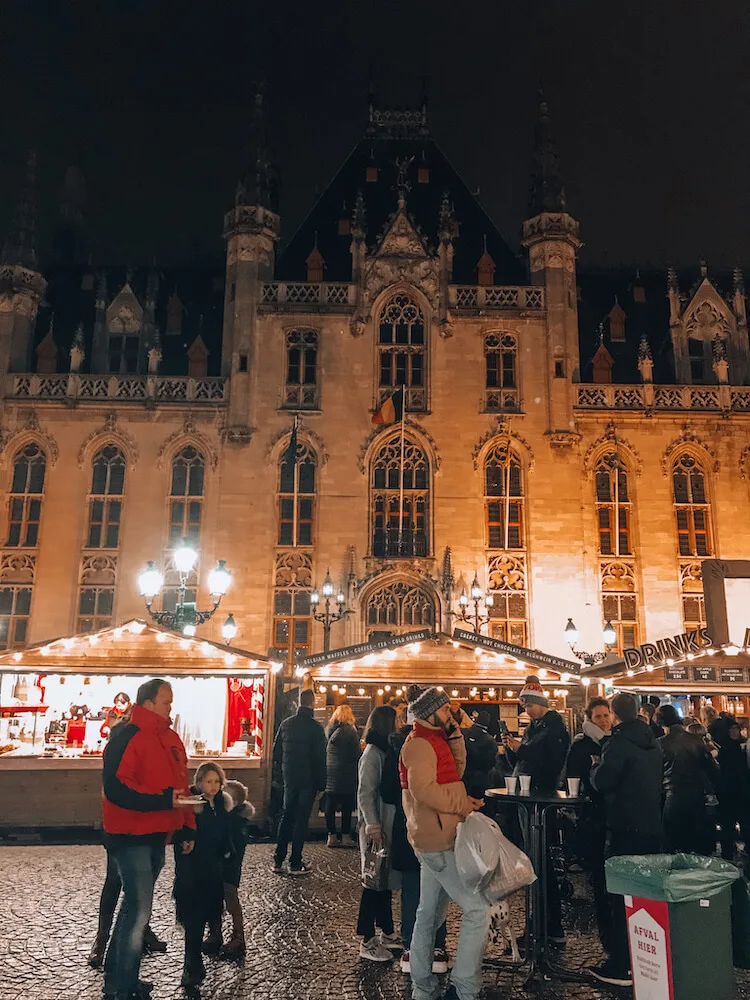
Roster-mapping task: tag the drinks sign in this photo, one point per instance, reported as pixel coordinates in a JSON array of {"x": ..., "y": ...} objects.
[{"x": 695, "y": 641}]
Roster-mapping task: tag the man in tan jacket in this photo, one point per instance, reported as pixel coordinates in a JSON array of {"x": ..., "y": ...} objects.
[{"x": 435, "y": 801}]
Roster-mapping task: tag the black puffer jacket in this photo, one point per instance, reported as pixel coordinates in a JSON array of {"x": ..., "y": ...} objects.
[
  {"x": 481, "y": 755},
  {"x": 199, "y": 876},
  {"x": 542, "y": 752},
  {"x": 579, "y": 765},
  {"x": 299, "y": 752},
  {"x": 734, "y": 778},
  {"x": 342, "y": 757},
  {"x": 403, "y": 858},
  {"x": 629, "y": 776},
  {"x": 688, "y": 766}
]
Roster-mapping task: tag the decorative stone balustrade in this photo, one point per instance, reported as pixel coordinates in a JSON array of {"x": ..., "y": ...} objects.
[
  {"x": 299, "y": 295},
  {"x": 704, "y": 398},
  {"x": 491, "y": 297},
  {"x": 118, "y": 388}
]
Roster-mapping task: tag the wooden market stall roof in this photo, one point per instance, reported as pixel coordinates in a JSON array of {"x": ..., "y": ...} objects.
[
  {"x": 712, "y": 671},
  {"x": 135, "y": 646},
  {"x": 424, "y": 657}
]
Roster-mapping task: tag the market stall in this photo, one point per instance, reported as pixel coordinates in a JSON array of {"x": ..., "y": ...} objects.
[
  {"x": 689, "y": 670},
  {"x": 59, "y": 699},
  {"x": 476, "y": 671}
]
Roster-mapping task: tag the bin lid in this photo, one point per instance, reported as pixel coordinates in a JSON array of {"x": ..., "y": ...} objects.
[{"x": 674, "y": 878}]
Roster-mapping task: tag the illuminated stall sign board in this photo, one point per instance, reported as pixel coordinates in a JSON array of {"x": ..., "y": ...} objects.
[
  {"x": 695, "y": 641},
  {"x": 555, "y": 663},
  {"x": 353, "y": 652}
]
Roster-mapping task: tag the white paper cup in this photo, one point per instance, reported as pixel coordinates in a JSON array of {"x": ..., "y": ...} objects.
[
  {"x": 574, "y": 787},
  {"x": 511, "y": 785},
  {"x": 525, "y": 780}
]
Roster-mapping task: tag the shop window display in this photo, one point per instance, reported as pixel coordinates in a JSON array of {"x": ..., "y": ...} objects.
[{"x": 71, "y": 715}]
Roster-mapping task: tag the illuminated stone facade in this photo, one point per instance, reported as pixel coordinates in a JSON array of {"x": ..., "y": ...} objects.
[{"x": 570, "y": 483}]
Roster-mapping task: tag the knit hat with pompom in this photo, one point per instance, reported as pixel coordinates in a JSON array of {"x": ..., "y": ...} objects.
[{"x": 531, "y": 692}]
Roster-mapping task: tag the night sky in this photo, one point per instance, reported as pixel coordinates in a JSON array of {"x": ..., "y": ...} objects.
[{"x": 150, "y": 101}]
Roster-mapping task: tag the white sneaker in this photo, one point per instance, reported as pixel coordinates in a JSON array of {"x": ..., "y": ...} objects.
[
  {"x": 373, "y": 951},
  {"x": 405, "y": 963},
  {"x": 391, "y": 940},
  {"x": 439, "y": 961}
]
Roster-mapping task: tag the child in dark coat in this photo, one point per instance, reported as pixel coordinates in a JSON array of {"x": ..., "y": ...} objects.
[
  {"x": 240, "y": 815},
  {"x": 199, "y": 875}
]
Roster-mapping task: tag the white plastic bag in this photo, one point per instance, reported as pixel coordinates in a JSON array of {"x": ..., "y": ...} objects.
[
  {"x": 513, "y": 871},
  {"x": 478, "y": 841}
]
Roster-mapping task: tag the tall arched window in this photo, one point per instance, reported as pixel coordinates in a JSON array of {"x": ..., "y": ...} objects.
[
  {"x": 503, "y": 485},
  {"x": 692, "y": 507},
  {"x": 613, "y": 506},
  {"x": 186, "y": 496},
  {"x": 501, "y": 375},
  {"x": 617, "y": 566},
  {"x": 297, "y": 498},
  {"x": 400, "y": 500},
  {"x": 105, "y": 499},
  {"x": 25, "y": 503},
  {"x": 301, "y": 388},
  {"x": 396, "y": 608},
  {"x": 292, "y": 623},
  {"x": 402, "y": 348}
]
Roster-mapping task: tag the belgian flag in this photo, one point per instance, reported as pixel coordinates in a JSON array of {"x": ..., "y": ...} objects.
[{"x": 391, "y": 410}]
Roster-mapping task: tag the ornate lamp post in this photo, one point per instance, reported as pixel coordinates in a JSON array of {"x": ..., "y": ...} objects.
[
  {"x": 186, "y": 617},
  {"x": 328, "y": 617},
  {"x": 609, "y": 637},
  {"x": 474, "y": 596}
]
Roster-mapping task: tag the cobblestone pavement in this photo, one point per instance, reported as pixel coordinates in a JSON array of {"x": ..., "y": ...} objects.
[{"x": 301, "y": 943}]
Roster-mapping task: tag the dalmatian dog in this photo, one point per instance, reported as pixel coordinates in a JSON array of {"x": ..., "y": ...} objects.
[{"x": 501, "y": 930}]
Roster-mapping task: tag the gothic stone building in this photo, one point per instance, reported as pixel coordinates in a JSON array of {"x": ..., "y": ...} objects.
[{"x": 577, "y": 441}]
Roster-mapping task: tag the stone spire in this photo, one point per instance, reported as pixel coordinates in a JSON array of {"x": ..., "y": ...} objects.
[
  {"x": 78, "y": 349},
  {"x": 645, "y": 359},
  {"x": 257, "y": 184},
  {"x": 359, "y": 218},
  {"x": 546, "y": 192},
  {"x": 673, "y": 294},
  {"x": 721, "y": 361},
  {"x": 20, "y": 248}
]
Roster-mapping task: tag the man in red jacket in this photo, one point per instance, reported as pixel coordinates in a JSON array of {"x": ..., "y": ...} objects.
[{"x": 145, "y": 774}]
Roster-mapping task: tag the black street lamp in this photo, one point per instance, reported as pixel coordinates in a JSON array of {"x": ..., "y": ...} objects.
[
  {"x": 186, "y": 617},
  {"x": 328, "y": 617},
  {"x": 475, "y": 619},
  {"x": 609, "y": 637}
]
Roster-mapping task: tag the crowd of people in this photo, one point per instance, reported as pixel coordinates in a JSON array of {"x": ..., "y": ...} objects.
[{"x": 654, "y": 782}]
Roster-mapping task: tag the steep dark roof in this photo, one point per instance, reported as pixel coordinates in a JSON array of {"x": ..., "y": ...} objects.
[
  {"x": 71, "y": 296},
  {"x": 381, "y": 148}
]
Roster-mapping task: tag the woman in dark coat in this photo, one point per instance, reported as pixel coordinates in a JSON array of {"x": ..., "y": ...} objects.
[
  {"x": 342, "y": 757},
  {"x": 199, "y": 875}
]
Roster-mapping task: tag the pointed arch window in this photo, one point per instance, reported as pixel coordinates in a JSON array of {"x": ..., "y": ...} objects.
[
  {"x": 692, "y": 507},
  {"x": 501, "y": 372},
  {"x": 506, "y": 576},
  {"x": 301, "y": 388},
  {"x": 402, "y": 351},
  {"x": 400, "y": 500},
  {"x": 297, "y": 498},
  {"x": 399, "y": 607},
  {"x": 503, "y": 485},
  {"x": 613, "y": 506},
  {"x": 186, "y": 496},
  {"x": 292, "y": 621},
  {"x": 26, "y": 494},
  {"x": 105, "y": 499}
]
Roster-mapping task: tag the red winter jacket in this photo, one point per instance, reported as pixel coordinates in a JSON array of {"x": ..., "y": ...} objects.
[{"x": 144, "y": 762}]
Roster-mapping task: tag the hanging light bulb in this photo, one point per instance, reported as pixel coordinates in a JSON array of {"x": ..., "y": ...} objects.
[
  {"x": 571, "y": 633},
  {"x": 150, "y": 581},
  {"x": 219, "y": 579},
  {"x": 609, "y": 634},
  {"x": 184, "y": 557},
  {"x": 229, "y": 628}
]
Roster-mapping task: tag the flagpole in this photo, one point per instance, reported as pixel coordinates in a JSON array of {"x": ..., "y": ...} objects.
[{"x": 401, "y": 479}]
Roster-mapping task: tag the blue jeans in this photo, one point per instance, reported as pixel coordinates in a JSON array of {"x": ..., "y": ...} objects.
[
  {"x": 409, "y": 904},
  {"x": 138, "y": 866},
  {"x": 293, "y": 826},
  {"x": 440, "y": 882}
]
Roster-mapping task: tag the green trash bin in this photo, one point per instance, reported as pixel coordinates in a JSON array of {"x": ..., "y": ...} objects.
[{"x": 679, "y": 924}]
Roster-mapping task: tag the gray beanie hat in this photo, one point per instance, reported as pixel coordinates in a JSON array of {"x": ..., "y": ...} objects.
[{"x": 428, "y": 703}]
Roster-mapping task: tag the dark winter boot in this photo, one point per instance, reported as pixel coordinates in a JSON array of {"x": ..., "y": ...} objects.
[
  {"x": 98, "y": 948},
  {"x": 152, "y": 945},
  {"x": 212, "y": 942}
]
